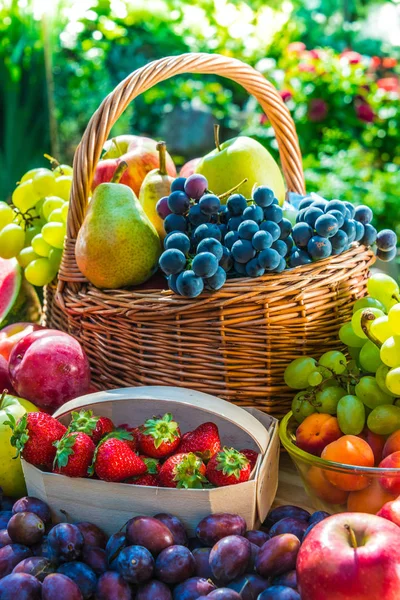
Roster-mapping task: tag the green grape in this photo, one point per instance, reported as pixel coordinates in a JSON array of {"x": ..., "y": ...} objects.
[
  {"x": 356, "y": 320},
  {"x": 63, "y": 170},
  {"x": 394, "y": 319},
  {"x": 55, "y": 258},
  {"x": 383, "y": 288},
  {"x": 24, "y": 196},
  {"x": 393, "y": 381},
  {"x": 369, "y": 392},
  {"x": 297, "y": 372},
  {"x": 51, "y": 203},
  {"x": 384, "y": 420},
  {"x": 56, "y": 216},
  {"x": 31, "y": 232},
  {"x": 26, "y": 256},
  {"x": 351, "y": 415},
  {"x": 369, "y": 357},
  {"x": 54, "y": 234},
  {"x": 380, "y": 328},
  {"x": 40, "y": 272},
  {"x": 367, "y": 302},
  {"x": 40, "y": 246},
  {"x": 12, "y": 240},
  {"x": 354, "y": 352},
  {"x": 348, "y": 337},
  {"x": 63, "y": 186},
  {"x": 301, "y": 407},
  {"x": 44, "y": 183},
  {"x": 334, "y": 361},
  {"x": 329, "y": 383},
  {"x": 64, "y": 211},
  {"x": 326, "y": 400},
  {"x": 31, "y": 173},
  {"x": 314, "y": 378},
  {"x": 380, "y": 376},
  {"x": 6, "y": 214},
  {"x": 390, "y": 351}
]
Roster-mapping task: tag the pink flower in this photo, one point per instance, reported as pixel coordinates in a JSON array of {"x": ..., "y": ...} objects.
[
  {"x": 286, "y": 95},
  {"x": 296, "y": 47},
  {"x": 365, "y": 113},
  {"x": 353, "y": 58},
  {"x": 315, "y": 54},
  {"x": 306, "y": 68},
  {"x": 263, "y": 119},
  {"x": 317, "y": 110},
  {"x": 389, "y": 84}
]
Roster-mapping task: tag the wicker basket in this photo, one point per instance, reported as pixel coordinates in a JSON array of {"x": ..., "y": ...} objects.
[{"x": 234, "y": 343}]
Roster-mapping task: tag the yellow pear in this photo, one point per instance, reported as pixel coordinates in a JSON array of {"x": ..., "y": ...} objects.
[{"x": 156, "y": 184}]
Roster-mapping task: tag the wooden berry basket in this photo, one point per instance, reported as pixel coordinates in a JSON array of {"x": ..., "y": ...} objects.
[{"x": 233, "y": 343}]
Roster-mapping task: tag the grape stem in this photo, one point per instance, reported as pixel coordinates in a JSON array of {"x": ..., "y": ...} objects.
[
  {"x": 367, "y": 316},
  {"x": 119, "y": 171},
  {"x": 53, "y": 163},
  {"x": 26, "y": 217},
  {"x": 353, "y": 539},
  {"x": 162, "y": 149},
  {"x": 229, "y": 192},
  {"x": 216, "y": 137}
]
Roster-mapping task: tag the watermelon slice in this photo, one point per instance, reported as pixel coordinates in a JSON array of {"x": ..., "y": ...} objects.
[{"x": 10, "y": 284}]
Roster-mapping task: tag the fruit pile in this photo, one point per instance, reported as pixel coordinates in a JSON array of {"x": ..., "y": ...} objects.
[
  {"x": 153, "y": 454},
  {"x": 33, "y": 228},
  {"x": 152, "y": 559},
  {"x": 207, "y": 241}
]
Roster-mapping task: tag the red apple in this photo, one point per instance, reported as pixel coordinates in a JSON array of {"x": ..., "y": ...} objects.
[
  {"x": 350, "y": 556},
  {"x": 391, "y": 482},
  {"x": 11, "y": 334},
  {"x": 140, "y": 154},
  {"x": 5, "y": 383},
  {"x": 391, "y": 511},
  {"x": 189, "y": 168},
  {"x": 49, "y": 368}
]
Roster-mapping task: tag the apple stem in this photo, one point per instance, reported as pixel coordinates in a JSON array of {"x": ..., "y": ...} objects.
[
  {"x": 119, "y": 171},
  {"x": 366, "y": 316},
  {"x": 353, "y": 539},
  {"x": 229, "y": 192},
  {"x": 216, "y": 137},
  {"x": 162, "y": 149}
]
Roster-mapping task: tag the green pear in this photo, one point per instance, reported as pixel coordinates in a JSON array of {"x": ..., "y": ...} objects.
[
  {"x": 237, "y": 159},
  {"x": 117, "y": 245}
]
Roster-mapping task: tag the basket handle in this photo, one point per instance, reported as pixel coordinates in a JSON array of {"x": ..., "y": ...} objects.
[{"x": 88, "y": 152}]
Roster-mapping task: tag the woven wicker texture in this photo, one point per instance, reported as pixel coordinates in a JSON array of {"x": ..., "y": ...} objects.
[{"x": 234, "y": 343}]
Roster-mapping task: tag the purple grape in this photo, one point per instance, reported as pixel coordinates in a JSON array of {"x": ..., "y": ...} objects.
[
  {"x": 172, "y": 261},
  {"x": 20, "y": 586},
  {"x": 178, "y": 202},
  {"x": 319, "y": 247},
  {"x": 350, "y": 208},
  {"x": 224, "y": 594},
  {"x": 236, "y": 204},
  {"x": 178, "y": 184},
  {"x": 289, "y": 525},
  {"x": 286, "y": 228},
  {"x": 216, "y": 281},
  {"x": 269, "y": 259},
  {"x": 273, "y": 213},
  {"x": 230, "y": 557},
  {"x": 386, "y": 240},
  {"x": 318, "y": 516},
  {"x": 150, "y": 533},
  {"x": 234, "y": 223},
  {"x": 175, "y": 526},
  {"x": 230, "y": 238},
  {"x": 162, "y": 208},
  {"x": 311, "y": 215},
  {"x": 247, "y": 229},
  {"x": 201, "y": 557},
  {"x": 195, "y": 186},
  {"x": 272, "y": 228},
  {"x": 363, "y": 214},
  {"x": 84, "y": 577},
  {"x": 4, "y": 538},
  {"x": 298, "y": 258},
  {"x": 196, "y": 217},
  {"x": 249, "y": 586},
  {"x": 211, "y": 245},
  {"x": 257, "y": 537},
  {"x": 253, "y": 269},
  {"x": 189, "y": 284},
  {"x": 326, "y": 225},
  {"x": 154, "y": 590},
  {"x": 25, "y": 528},
  {"x": 204, "y": 264},
  {"x": 175, "y": 564},
  {"x": 111, "y": 586},
  {"x": 288, "y": 579},
  {"x": 65, "y": 542},
  {"x": 386, "y": 256},
  {"x": 262, "y": 240},
  {"x": 278, "y": 555},
  {"x": 5, "y": 516},
  {"x": 279, "y": 246},
  {"x": 92, "y": 535},
  {"x": 178, "y": 241},
  {"x": 335, "y": 205},
  {"x": 305, "y": 203},
  {"x": 279, "y": 592},
  {"x": 115, "y": 544},
  {"x": 136, "y": 564},
  {"x": 215, "y": 527},
  {"x": 340, "y": 240},
  {"x": 209, "y": 204},
  {"x": 302, "y": 234},
  {"x": 338, "y": 216},
  {"x": 10, "y": 556},
  {"x": 254, "y": 213},
  {"x": 243, "y": 251},
  {"x": 38, "y": 566},
  {"x": 192, "y": 588},
  {"x": 34, "y": 505},
  {"x": 263, "y": 196},
  {"x": 175, "y": 223},
  {"x": 96, "y": 558},
  {"x": 57, "y": 586},
  {"x": 226, "y": 261},
  {"x": 207, "y": 230},
  {"x": 370, "y": 235}
]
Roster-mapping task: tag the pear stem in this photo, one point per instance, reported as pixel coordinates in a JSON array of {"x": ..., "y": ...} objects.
[
  {"x": 114, "y": 141},
  {"x": 162, "y": 149},
  {"x": 353, "y": 539},
  {"x": 366, "y": 316},
  {"x": 229, "y": 192},
  {"x": 216, "y": 137},
  {"x": 119, "y": 171}
]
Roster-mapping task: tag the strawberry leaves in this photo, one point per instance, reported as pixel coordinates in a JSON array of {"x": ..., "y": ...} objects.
[
  {"x": 231, "y": 462},
  {"x": 161, "y": 429},
  {"x": 83, "y": 421},
  {"x": 188, "y": 472},
  {"x": 64, "y": 450},
  {"x": 20, "y": 434}
]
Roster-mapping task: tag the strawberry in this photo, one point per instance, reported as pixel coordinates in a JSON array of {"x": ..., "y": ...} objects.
[
  {"x": 134, "y": 431},
  {"x": 114, "y": 460},
  {"x": 159, "y": 436},
  {"x": 183, "y": 471},
  {"x": 152, "y": 464},
  {"x": 251, "y": 455},
  {"x": 34, "y": 435},
  {"x": 95, "y": 427},
  {"x": 147, "y": 479},
  {"x": 74, "y": 454},
  {"x": 228, "y": 467},
  {"x": 203, "y": 441}
]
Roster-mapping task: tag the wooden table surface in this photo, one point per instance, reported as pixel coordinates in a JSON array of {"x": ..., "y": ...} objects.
[{"x": 290, "y": 488}]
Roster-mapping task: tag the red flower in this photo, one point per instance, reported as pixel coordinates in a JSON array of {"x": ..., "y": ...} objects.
[
  {"x": 365, "y": 113},
  {"x": 353, "y": 58},
  {"x": 389, "y": 63},
  {"x": 286, "y": 95},
  {"x": 317, "y": 110},
  {"x": 306, "y": 68},
  {"x": 296, "y": 47},
  {"x": 375, "y": 62},
  {"x": 390, "y": 84}
]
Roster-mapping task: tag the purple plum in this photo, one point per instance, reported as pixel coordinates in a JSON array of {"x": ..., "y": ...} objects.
[
  {"x": 135, "y": 564},
  {"x": 25, "y": 528},
  {"x": 288, "y": 579},
  {"x": 35, "y": 505},
  {"x": 175, "y": 564},
  {"x": 10, "y": 556},
  {"x": 115, "y": 544},
  {"x": 57, "y": 586},
  {"x": 20, "y": 586},
  {"x": 5, "y": 516},
  {"x": 112, "y": 586},
  {"x": 96, "y": 558},
  {"x": 65, "y": 542},
  {"x": 194, "y": 543},
  {"x": 154, "y": 590},
  {"x": 4, "y": 538},
  {"x": 249, "y": 586},
  {"x": 318, "y": 516},
  {"x": 92, "y": 535},
  {"x": 202, "y": 560},
  {"x": 257, "y": 537},
  {"x": 37, "y": 566},
  {"x": 215, "y": 527},
  {"x": 251, "y": 567},
  {"x": 192, "y": 588},
  {"x": 281, "y": 512},
  {"x": 289, "y": 525},
  {"x": 175, "y": 526},
  {"x": 84, "y": 577},
  {"x": 279, "y": 592},
  {"x": 150, "y": 533},
  {"x": 230, "y": 557},
  {"x": 224, "y": 594},
  {"x": 278, "y": 555}
]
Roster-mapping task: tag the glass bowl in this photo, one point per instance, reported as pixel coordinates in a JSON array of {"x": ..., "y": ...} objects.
[{"x": 337, "y": 487}]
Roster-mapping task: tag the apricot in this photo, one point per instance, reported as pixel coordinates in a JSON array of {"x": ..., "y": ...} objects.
[
  {"x": 324, "y": 490},
  {"x": 390, "y": 482},
  {"x": 370, "y": 499},
  {"x": 349, "y": 450},
  {"x": 316, "y": 432},
  {"x": 392, "y": 444},
  {"x": 377, "y": 443}
]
